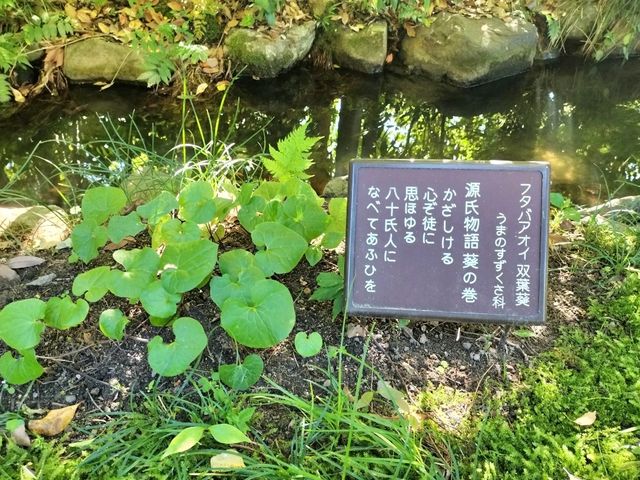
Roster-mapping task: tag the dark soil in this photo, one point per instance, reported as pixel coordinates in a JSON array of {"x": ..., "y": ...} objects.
[{"x": 83, "y": 366}]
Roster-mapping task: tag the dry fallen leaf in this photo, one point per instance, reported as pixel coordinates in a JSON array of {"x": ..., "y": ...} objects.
[
  {"x": 201, "y": 88},
  {"x": 587, "y": 419},
  {"x": 228, "y": 459},
  {"x": 571, "y": 475},
  {"x": 26, "y": 473},
  {"x": 355, "y": 330},
  {"x": 557, "y": 239},
  {"x": 110, "y": 247},
  {"x": 24, "y": 261},
  {"x": 20, "y": 436},
  {"x": 104, "y": 28},
  {"x": 70, "y": 10},
  {"x": 411, "y": 30},
  {"x": 17, "y": 95},
  {"x": 54, "y": 422}
]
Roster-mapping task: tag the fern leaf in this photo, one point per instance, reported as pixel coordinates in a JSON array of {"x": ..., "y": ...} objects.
[
  {"x": 5, "y": 89},
  {"x": 292, "y": 157}
]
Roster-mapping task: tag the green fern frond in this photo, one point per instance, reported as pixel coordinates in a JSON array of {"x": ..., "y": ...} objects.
[
  {"x": 5, "y": 89},
  {"x": 292, "y": 157}
]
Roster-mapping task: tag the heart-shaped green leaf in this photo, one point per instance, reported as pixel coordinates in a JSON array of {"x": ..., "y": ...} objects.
[
  {"x": 21, "y": 325},
  {"x": 157, "y": 302},
  {"x": 304, "y": 216},
  {"x": 99, "y": 203},
  {"x": 235, "y": 285},
  {"x": 272, "y": 191},
  {"x": 86, "y": 238},
  {"x": 250, "y": 215},
  {"x": 129, "y": 284},
  {"x": 196, "y": 202},
  {"x": 138, "y": 260},
  {"x": 241, "y": 377},
  {"x": 174, "y": 231},
  {"x": 62, "y": 313},
  {"x": 112, "y": 323},
  {"x": 170, "y": 359},
  {"x": 335, "y": 231},
  {"x": 330, "y": 285},
  {"x": 264, "y": 319},
  {"x": 235, "y": 261},
  {"x": 157, "y": 208},
  {"x": 227, "y": 434},
  {"x": 308, "y": 346},
  {"x": 142, "y": 266},
  {"x": 19, "y": 371},
  {"x": 93, "y": 284},
  {"x": 186, "y": 265},
  {"x": 284, "y": 248},
  {"x": 184, "y": 441},
  {"x": 120, "y": 226},
  {"x": 313, "y": 255}
]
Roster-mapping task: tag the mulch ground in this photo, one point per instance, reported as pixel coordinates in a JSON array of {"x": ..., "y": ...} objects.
[{"x": 83, "y": 366}]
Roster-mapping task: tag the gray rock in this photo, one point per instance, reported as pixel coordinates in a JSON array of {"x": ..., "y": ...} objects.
[
  {"x": 620, "y": 213},
  {"x": 8, "y": 276},
  {"x": 470, "y": 51},
  {"x": 42, "y": 281},
  {"x": 582, "y": 20},
  {"x": 70, "y": 398},
  {"x": 336, "y": 187},
  {"x": 466, "y": 345},
  {"x": 265, "y": 56},
  {"x": 44, "y": 227},
  {"x": 364, "y": 51},
  {"x": 95, "y": 59}
]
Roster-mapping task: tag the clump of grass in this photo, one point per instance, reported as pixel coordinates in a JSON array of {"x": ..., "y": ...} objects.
[
  {"x": 143, "y": 162},
  {"x": 45, "y": 459},
  {"x": 331, "y": 434},
  {"x": 614, "y": 27},
  {"x": 532, "y": 432}
]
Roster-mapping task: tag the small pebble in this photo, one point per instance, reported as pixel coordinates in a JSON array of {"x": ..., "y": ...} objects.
[
  {"x": 42, "y": 281},
  {"x": 94, "y": 391},
  {"x": 423, "y": 338},
  {"x": 70, "y": 398},
  {"x": 475, "y": 356},
  {"x": 466, "y": 345},
  {"x": 307, "y": 291}
]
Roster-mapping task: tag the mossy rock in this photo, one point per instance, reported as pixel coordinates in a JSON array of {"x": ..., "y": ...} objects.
[
  {"x": 364, "y": 51},
  {"x": 95, "y": 59},
  {"x": 263, "y": 56},
  {"x": 470, "y": 51}
]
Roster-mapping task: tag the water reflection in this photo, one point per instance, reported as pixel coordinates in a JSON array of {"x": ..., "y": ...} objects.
[{"x": 582, "y": 119}]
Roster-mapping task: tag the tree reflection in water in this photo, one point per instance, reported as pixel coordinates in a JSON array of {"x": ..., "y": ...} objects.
[{"x": 582, "y": 119}]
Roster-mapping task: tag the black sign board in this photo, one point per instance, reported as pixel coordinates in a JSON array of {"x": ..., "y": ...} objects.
[{"x": 451, "y": 240}]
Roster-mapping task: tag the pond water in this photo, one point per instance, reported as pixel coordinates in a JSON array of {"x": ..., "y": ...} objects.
[{"x": 583, "y": 119}]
